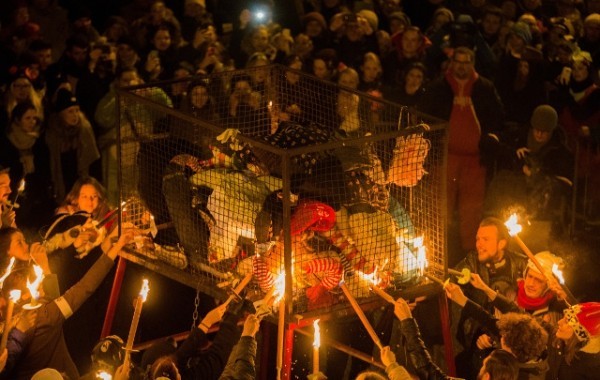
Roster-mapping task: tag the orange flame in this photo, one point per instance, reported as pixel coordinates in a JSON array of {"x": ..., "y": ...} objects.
[
  {"x": 21, "y": 186},
  {"x": 317, "y": 338},
  {"x": 34, "y": 286},
  {"x": 558, "y": 273},
  {"x": 103, "y": 375},
  {"x": 513, "y": 225},
  {"x": 15, "y": 295},
  {"x": 422, "y": 262},
  {"x": 145, "y": 289},
  {"x": 279, "y": 287},
  {"x": 9, "y": 268}
]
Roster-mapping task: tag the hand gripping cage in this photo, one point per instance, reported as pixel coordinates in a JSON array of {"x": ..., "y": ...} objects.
[{"x": 260, "y": 170}]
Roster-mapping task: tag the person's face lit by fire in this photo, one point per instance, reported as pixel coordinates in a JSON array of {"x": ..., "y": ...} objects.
[
  {"x": 4, "y": 186},
  {"x": 19, "y": 249},
  {"x": 489, "y": 248},
  {"x": 565, "y": 331},
  {"x": 535, "y": 284},
  {"x": 88, "y": 199}
]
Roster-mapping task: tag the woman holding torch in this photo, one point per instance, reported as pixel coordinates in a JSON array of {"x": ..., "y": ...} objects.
[{"x": 45, "y": 345}]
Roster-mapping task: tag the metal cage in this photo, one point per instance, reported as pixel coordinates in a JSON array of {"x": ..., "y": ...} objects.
[{"x": 269, "y": 170}]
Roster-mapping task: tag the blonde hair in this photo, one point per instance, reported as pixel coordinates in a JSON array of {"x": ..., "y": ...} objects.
[{"x": 33, "y": 97}]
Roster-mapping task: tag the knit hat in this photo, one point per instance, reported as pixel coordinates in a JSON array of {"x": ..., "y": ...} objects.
[
  {"x": 445, "y": 11},
  {"x": 157, "y": 350},
  {"x": 201, "y": 3},
  {"x": 522, "y": 30},
  {"x": 47, "y": 374},
  {"x": 108, "y": 352},
  {"x": 314, "y": 16},
  {"x": 585, "y": 320},
  {"x": 593, "y": 19},
  {"x": 64, "y": 100},
  {"x": 371, "y": 17},
  {"x": 400, "y": 16},
  {"x": 544, "y": 118},
  {"x": 547, "y": 260}
]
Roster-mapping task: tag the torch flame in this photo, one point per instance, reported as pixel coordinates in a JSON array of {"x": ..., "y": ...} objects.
[
  {"x": 317, "y": 338},
  {"x": 422, "y": 262},
  {"x": 557, "y": 272},
  {"x": 8, "y": 270},
  {"x": 21, "y": 186},
  {"x": 15, "y": 295},
  {"x": 33, "y": 286},
  {"x": 372, "y": 279},
  {"x": 103, "y": 375},
  {"x": 279, "y": 287},
  {"x": 145, "y": 289},
  {"x": 513, "y": 225}
]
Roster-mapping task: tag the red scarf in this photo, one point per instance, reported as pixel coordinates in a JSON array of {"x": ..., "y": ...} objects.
[{"x": 532, "y": 304}]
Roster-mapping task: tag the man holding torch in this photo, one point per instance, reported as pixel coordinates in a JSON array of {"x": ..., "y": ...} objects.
[{"x": 500, "y": 269}]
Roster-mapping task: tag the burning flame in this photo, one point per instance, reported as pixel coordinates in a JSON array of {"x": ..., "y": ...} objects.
[
  {"x": 9, "y": 268},
  {"x": 513, "y": 225},
  {"x": 145, "y": 289},
  {"x": 15, "y": 295},
  {"x": 33, "y": 286},
  {"x": 422, "y": 262},
  {"x": 317, "y": 338},
  {"x": 557, "y": 272},
  {"x": 372, "y": 279},
  {"x": 279, "y": 287},
  {"x": 103, "y": 375},
  {"x": 21, "y": 186}
]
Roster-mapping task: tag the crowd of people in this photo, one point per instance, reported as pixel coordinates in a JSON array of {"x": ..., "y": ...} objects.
[{"x": 517, "y": 81}]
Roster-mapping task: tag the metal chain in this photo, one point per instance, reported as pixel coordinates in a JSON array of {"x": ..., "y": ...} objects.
[{"x": 196, "y": 304}]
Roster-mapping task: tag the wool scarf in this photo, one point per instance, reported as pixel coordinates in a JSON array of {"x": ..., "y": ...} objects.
[{"x": 532, "y": 304}]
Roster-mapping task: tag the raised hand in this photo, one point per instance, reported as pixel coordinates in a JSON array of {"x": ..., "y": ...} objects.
[
  {"x": 387, "y": 356},
  {"x": 251, "y": 326},
  {"x": 455, "y": 293},
  {"x": 402, "y": 309},
  {"x": 212, "y": 317}
]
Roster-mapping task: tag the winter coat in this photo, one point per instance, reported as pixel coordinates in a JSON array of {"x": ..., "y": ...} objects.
[
  {"x": 210, "y": 364},
  {"x": 417, "y": 352},
  {"x": 240, "y": 365}
]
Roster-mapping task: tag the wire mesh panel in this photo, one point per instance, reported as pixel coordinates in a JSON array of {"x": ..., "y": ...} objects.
[{"x": 230, "y": 173}]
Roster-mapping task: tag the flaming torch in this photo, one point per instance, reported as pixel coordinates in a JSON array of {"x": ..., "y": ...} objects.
[
  {"x": 139, "y": 302},
  {"x": 513, "y": 229},
  {"x": 238, "y": 289},
  {"x": 20, "y": 191},
  {"x": 561, "y": 280},
  {"x": 33, "y": 288},
  {"x": 361, "y": 315},
  {"x": 280, "y": 298},
  {"x": 316, "y": 346},
  {"x": 15, "y": 296},
  {"x": 422, "y": 262},
  {"x": 9, "y": 268},
  {"x": 103, "y": 375},
  {"x": 373, "y": 281}
]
